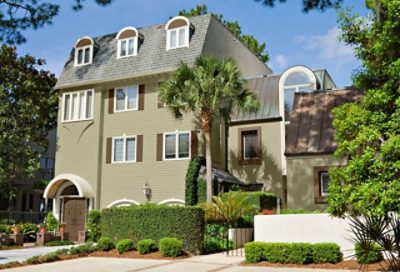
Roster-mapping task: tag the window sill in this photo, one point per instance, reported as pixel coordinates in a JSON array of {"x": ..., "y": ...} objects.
[
  {"x": 179, "y": 159},
  {"x": 173, "y": 48},
  {"x": 123, "y": 162},
  {"x": 75, "y": 121},
  {"x": 250, "y": 162},
  {"x": 127, "y": 56},
  {"x": 320, "y": 200}
]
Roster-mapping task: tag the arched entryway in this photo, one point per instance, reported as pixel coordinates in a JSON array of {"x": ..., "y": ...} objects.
[{"x": 72, "y": 196}]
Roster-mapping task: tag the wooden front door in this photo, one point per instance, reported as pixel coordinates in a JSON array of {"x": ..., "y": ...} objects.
[{"x": 74, "y": 216}]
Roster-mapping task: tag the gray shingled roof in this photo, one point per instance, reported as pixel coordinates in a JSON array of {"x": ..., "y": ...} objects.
[
  {"x": 267, "y": 91},
  {"x": 310, "y": 129},
  {"x": 152, "y": 56}
]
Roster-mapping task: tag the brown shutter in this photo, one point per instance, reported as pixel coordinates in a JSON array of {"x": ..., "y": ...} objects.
[
  {"x": 160, "y": 104},
  {"x": 139, "y": 148},
  {"x": 240, "y": 146},
  {"x": 141, "y": 97},
  {"x": 108, "y": 150},
  {"x": 194, "y": 143},
  {"x": 159, "y": 147},
  {"x": 111, "y": 101}
]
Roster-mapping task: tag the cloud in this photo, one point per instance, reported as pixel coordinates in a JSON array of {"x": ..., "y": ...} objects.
[
  {"x": 327, "y": 45},
  {"x": 281, "y": 61}
]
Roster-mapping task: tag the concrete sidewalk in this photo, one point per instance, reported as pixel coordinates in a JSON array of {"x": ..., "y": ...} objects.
[
  {"x": 210, "y": 263},
  {"x": 20, "y": 255}
]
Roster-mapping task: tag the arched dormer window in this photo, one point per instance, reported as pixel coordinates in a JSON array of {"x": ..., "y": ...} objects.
[
  {"x": 127, "y": 42},
  {"x": 294, "y": 80},
  {"x": 177, "y": 32},
  {"x": 84, "y": 51}
]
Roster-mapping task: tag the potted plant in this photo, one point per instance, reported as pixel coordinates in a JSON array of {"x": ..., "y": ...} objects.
[
  {"x": 43, "y": 228},
  {"x": 62, "y": 228},
  {"x": 16, "y": 229}
]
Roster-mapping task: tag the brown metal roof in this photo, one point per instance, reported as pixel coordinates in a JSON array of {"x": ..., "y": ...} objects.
[{"x": 310, "y": 130}]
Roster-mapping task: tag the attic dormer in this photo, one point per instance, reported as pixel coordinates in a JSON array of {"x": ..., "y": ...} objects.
[
  {"x": 178, "y": 32},
  {"x": 84, "y": 51},
  {"x": 128, "y": 40}
]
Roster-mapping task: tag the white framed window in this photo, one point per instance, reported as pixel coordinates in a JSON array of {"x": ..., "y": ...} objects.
[
  {"x": 126, "y": 98},
  {"x": 176, "y": 145},
  {"x": 84, "y": 51},
  {"x": 124, "y": 149},
  {"x": 177, "y": 32},
  {"x": 324, "y": 181},
  {"x": 127, "y": 47},
  {"x": 77, "y": 106}
]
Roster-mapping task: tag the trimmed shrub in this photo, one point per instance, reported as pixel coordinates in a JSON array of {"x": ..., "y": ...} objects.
[
  {"x": 124, "y": 245},
  {"x": 59, "y": 243},
  {"x": 29, "y": 231},
  {"x": 213, "y": 246},
  {"x": 51, "y": 257},
  {"x": 93, "y": 225},
  {"x": 294, "y": 253},
  {"x": 170, "y": 247},
  {"x": 191, "y": 185},
  {"x": 83, "y": 249},
  {"x": 62, "y": 251},
  {"x": 254, "y": 252},
  {"x": 104, "y": 244},
  {"x": 33, "y": 260},
  {"x": 368, "y": 253},
  {"x": 201, "y": 190},
  {"x": 146, "y": 246},
  {"x": 143, "y": 222},
  {"x": 326, "y": 253}
]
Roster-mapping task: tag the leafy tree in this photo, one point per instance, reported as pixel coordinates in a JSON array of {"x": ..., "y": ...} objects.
[
  {"x": 307, "y": 4},
  {"x": 368, "y": 132},
  {"x": 17, "y": 15},
  {"x": 28, "y": 110},
  {"x": 248, "y": 40},
  {"x": 210, "y": 89}
]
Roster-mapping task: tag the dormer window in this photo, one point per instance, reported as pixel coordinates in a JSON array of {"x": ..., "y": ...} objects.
[
  {"x": 127, "y": 42},
  {"x": 177, "y": 32},
  {"x": 84, "y": 51}
]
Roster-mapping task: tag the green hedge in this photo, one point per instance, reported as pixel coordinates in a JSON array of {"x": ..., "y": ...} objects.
[
  {"x": 155, "y": 222},
  {"x": 368, "y": 253},
  {"x": 263, "y": 200},
  {"x": 191, "y": 184},
  {"x": 295, "y": 253}
]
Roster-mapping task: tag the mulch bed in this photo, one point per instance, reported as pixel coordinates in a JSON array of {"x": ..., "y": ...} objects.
[
  {"x": 345, "y": 265},
  {"x": 135, "y": 255}
]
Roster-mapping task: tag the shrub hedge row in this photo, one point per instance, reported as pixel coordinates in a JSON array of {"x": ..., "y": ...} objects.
[
  {"x": 155, "y": 222},
  {"x": 295, "y": 253},
  {"x": 191, "y": 185}
]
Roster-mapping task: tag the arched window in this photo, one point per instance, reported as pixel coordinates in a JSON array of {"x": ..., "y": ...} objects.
[
  {"x": 177, "y": 32},
  {"x": 127, "y": 42},
  {"x": 294, "y": 80},
  {"x": 84, "y": 51}
]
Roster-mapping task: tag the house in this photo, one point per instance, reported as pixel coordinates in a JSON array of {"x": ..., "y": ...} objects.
[{"x": 118, "y": 145}]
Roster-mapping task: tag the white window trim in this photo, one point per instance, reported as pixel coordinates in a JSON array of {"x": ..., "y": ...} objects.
[
  {"x": 126, "y": 98},
  {"x": 135, "y": 45},
  {"x": 282, "y": 80},
  {"x": 321, "y": 183},
  {"x": 90, "y": 55},
  {"x": 186, "y": 44},
  {"x": 177, "y": 133},
  {"x": 124, "y": 137},
  {"x": 70, "y": 106}
]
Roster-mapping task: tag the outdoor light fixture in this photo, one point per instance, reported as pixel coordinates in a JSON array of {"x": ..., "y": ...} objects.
[{"x": 147, "y": 191}]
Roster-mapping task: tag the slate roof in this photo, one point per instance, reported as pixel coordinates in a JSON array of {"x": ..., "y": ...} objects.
[
  {"x": 310, "y": 130},
  {"x": 152, "y": 56},
  {"x": 267, "y": 90}
]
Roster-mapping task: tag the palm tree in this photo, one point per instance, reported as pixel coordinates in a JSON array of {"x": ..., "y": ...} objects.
[{"x": 211, "y": 89}]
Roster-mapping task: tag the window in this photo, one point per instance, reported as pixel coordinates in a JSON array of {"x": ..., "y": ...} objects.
[
  {"x": 177, "y": 32},
  {"x": 83, "y": 51},
  {"x": 127, "y": 42},
  {"x": 78, "y": 106},
  {"x": 176, "y": 145},
  {"x": 250, "y": 145},
  {"x": 124, "y": 149},
  {"x": 126, "y": 98},
  {"x": 321, "y": 184}
]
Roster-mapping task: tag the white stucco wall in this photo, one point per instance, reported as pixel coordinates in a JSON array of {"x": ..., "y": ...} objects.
[{"x": 310, "y": 228}]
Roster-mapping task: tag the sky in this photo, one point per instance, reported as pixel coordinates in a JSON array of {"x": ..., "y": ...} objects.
[{"x": 292, "y": 37}]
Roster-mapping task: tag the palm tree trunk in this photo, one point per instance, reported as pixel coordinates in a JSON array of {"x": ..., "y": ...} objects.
[{"x": 207, "y": 135}]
